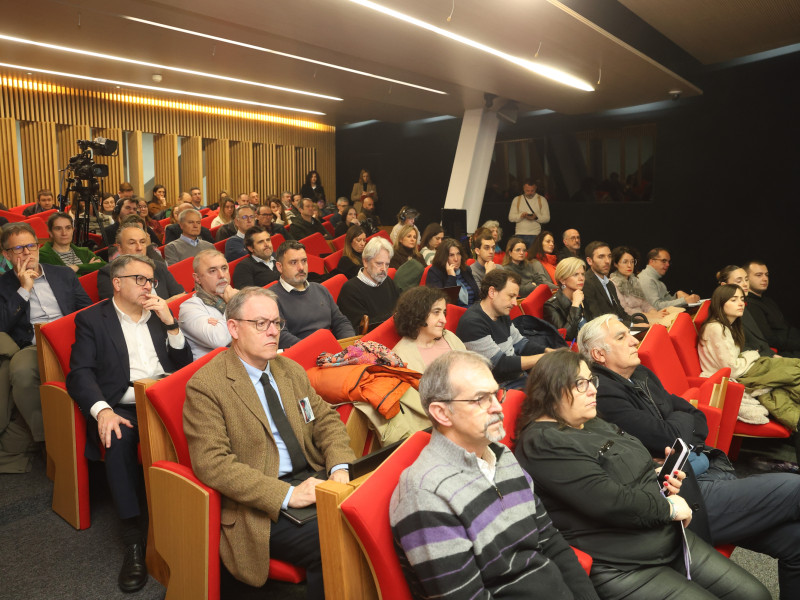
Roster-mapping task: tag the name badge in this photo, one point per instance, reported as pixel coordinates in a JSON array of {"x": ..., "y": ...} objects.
[{"x": 306, "y": 410}]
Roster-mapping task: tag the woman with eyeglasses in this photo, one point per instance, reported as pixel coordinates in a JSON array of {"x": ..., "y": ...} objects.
[
  {"x": 602, "y": 491},
  {"x": 629, "y": 290}
]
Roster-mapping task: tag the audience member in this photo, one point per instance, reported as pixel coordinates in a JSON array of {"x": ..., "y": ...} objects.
[
  {"x": 189, "y": 244},
  {"x": 306, "y": 225},
  {"x": 312, "y": 188},
  {"x": 350, "y": 220},
  {"x": 775, "y": 381},
  {"x": 772, "y": 322},
  {"x": 629, "y": 291},
  {"x": 655, "y": 292},
  {"x": 368, "y": 216},
  {"x": 196, "y": 198},
  {"x": 125, "y": 191},
  {"x": 277, "y": 209},
  {"x": 59, "y": 249},
  {"x": 463, "y": 482},
  {"x": 446, "y": 271},
  {"x": 173, "y": 231},
  {"x": 599, "y": 293},
  {"x": 225, "y": 215},
  {"x": 516, "y": 261},
  {"x": 265, "y": 219},
  {"x": 342, "y": 206},
  {"x": 351, "y": 260},
  {"x": 497, "y": 233},
  {"x": 158, "y": 202},
  {"x": 107, "y": 207},
  {"x": 362, "y": 189},
  {"x": 126, "y": 207},
  {"x": 571, "y": 245},
  {"x": 150, "y": 223},
  {"x": 305, "y": 306},
  {"x": 529, "y": 211},
  {"x": 541, "y": 256},
  {"x": 753, "y": 338},
  {"x": 244, "y": 220},
  {"x": 372, "y": 292},
  {"x": 484, "y": 252},
  {"x": 44, "y": 202},
  {"x": 133, "y": 336},
  {"x": 487, "y": 329},
  {"x": 565, "y": 308},
  {"x": 202, "y": 317},
  {"x": 766, "y": 517},
  {"x": 405, "y": 248},
  {"x": 430, "y": 240},
  {"x": 406, "y": 216},
  {"x": 244, "y": 421},
  {"x": 258, "y": 269},
  {"x": 30, "y": 293},
  {"x": 132, "y": 240},
  {"x": 610, "y": 504}
]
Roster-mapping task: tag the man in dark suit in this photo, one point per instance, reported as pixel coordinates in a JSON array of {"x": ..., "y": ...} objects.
[
  {"x": 599, "y": 292},
  {"x": 259, "y": 268},
  {"x": 117, "y": 341},
  {"x": 29, "y": 293},
  {"x": 258, "y": 432}
]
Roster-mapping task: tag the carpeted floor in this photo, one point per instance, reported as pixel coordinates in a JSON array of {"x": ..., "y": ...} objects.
[{"x": 45, "y": 558}]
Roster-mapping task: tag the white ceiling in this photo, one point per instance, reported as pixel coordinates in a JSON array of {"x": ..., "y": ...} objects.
[{"x": 343, "y": 33}]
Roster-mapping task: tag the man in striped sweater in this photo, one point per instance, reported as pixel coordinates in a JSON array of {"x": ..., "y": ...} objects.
[{"x": 465, "y": 520}]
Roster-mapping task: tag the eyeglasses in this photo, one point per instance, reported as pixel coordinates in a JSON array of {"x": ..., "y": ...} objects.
[
  {"x": 247, "y": 217},
  {"x": 140, "y": 280},
  {"x": 485, "y": 401},
  {"x": 263, "y": 324},
  {"x": 665, "y": 261},
  {"x": 632, "y": 262},
  {"x": 582, "y": 384},
  {"x": 20, "y": 249}
]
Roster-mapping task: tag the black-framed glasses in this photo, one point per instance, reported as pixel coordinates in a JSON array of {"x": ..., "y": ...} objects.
[
  {"x": 140, "y": 280},
  {"x": 19, "y": 249},
  {"x": 582, "y": 384},
  {"x": 665, "y": 261},
  {"x": 263, "y": 324},
  {"x": 485, "y": 400},
  {"x": 632, "y": 262},
  {"x": 247, "y": 217}
]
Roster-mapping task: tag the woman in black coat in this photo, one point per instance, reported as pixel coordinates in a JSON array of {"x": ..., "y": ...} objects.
[{"x": 565, "y": 309}]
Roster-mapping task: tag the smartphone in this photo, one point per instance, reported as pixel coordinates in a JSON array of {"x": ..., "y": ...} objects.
[{"x": 674, "y": 462}]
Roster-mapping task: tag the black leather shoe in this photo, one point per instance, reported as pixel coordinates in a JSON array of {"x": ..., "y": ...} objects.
[{"x": 133, "y": 574}]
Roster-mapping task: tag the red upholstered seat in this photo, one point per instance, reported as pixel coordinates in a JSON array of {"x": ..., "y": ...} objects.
[
  {"x": 21, "y": 208},
  {"x": 316, "y": 264},
  {"x": 182, "y": 272},
  {"x": 328, "y": 227},
  {"x": 306, "y": 351},
  {"x": 220, "y": 245},
  {"x": 175, "y": 305},
  {"x": 276, "y": 240},
  {"x": 533, "y": 304},
  {"x": 233, "y": 263},
  {"x": 332, "y": 260},
  {"x": 89, "y": 284},
  {"x": 382, "y": 234},
  {"x": 39, "y": 227},
  {"x": 206, "y": 221},
  {"x": 338, "y": 243},
  {"x": 511, "y": 410},
  {"x": 334, "y": 285},
  {"x": 702, "y": 314},
  {"x": 316, "y": 244},
  {"x": 385, "y": 334},
  {"x": 424, "y": 279}
]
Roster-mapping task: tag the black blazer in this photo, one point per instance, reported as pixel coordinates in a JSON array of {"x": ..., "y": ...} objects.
[
  {"x": 595, "y": 300},
  {"x": 251, "y": 272},
  {"x": 559, "y": 311},
  {"x": 15, "y": 312},
  {"x": 440, "y": 279},
  {"x": 99, "y": 364},
  {"x": 167, "y": 285}
]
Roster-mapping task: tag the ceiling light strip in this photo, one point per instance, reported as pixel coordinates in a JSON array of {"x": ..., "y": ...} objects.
[
  {"x": 162, "y": 89},
  {"x": 284, "y": 54},
  {"x": 162, "y": 67},
  {"x": 544, "y": 70},
  {"x": 24, "y": 84}
]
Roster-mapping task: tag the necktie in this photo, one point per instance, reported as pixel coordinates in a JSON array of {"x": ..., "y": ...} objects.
[{"x": 282, "y": 424}]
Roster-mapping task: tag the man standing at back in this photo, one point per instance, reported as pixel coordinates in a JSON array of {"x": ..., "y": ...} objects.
[
  {"x": 655, "y": 292},
  {"x": 465, "y": 519},
  {"x": 529, "y": 211}
]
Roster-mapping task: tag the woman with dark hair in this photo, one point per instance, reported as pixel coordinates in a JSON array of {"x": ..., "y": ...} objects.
[
  {"x": 603, "y": 494},
  {"x": 753, "y": 338},
  {"x": 405, "y": 248},
  {"x": 631, "y": 296},
  {"x": 143, "y": 211},
  {"x": 107, "y": 207},
  {"x": 541, "y": 256},
  {"x": 350, "y": 262},
  {"x": 158, "y": 198},
  {"x": 447, "y": 270},
  {"x": 774, "y": 381},
  {"x": 431, "y": 238},
  {"x": 225, "y": 215},
  {"x": 278, "y": 212},
  {"x": 312, "y": 188},
  {"x": 350, "y": 219},
  {"x": 516, "y": 261}
]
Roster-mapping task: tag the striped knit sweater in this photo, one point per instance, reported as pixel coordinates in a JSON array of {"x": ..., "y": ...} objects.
[{"x": 459, "y": 536}]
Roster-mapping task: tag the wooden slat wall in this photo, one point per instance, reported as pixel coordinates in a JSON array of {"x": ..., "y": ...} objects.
[
  {"x": 283, "y": 148},
  {"x": 135, "y": 164},
  {"x": 39, "y": 158},
  {"x": 165, "y": 152},
  {"x": 10, "y": 188},
  {"x": 218, "y": 169},
  {"x": 242, "y": 170}
]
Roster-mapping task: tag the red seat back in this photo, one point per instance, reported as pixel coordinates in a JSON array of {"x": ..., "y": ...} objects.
[
  {"x": 367, "y": 511},
  {"x": 385, "y": 334},
  {"x": 338, "y": 243},
  {"x": 206, "y": 221},
  {"x": 60, "y": 334},
  {"x": 21, "y": 208},
  {"x": 534, "y": 303},
  {"x": 167, "y": 397},
  {"x": 276, "y": 240},
  {"x": 702, "y": 314},
  {"x": 89, "y": 284},
  {"x": 334, "y": 285},
  {"x": 39, "y": 227},
  {"x": 315, "y": 264},
  {"x": 214, "y": 231},
  {"x": 454, "y": 314},
  {"x": 658, "y": 354},
  {"x": 182, "y": 272},
  {"x": 683, "y": 336},
  {"x": 498, "y": 257},
  {"x": 165, "y": 222},
  {"x": 391, "y": 272},
  {"x": 382, "y": 234},
  {"x": 13, "y": 217},
  {"x": 511, "y": 410},
  {"x": 233, "y": 263},
  {"x": 175, "y": 305},
  {"x": 306, "y": 351},
  {"x": 328, "y": 227},
  {"x": 424, "y": 279},
  {"x": 220, "y": 245},
  {"x": 44, "y": 215},
  {"x": 315, "y": 244},
  {"x": 332, "y": 261}
]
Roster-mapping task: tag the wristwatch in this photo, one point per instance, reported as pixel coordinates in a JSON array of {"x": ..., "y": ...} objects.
[{"x": 173, "y": 327}]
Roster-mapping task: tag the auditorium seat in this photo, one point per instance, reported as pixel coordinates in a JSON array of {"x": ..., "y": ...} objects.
[
  {"x": 220, "y": 245},
  {"x": 702, "y": 314},
  {"x": 334, "y": 285},
  {"x": 424, "y": 279},
  {"x": 332, "y": 261},
  {"x": 276, "y": 240},
  {"x": 533, "y": 304},
  {"x": 328, "y": 227},
  {"x": 182, "y": 272},
  {"x": 89, "y": 284},
  {"x": 232, "y": 265},
  {"x": 337, "y": 243},
  {"x": 315, "y": 264},
  {"x": 316, "y": 244}
]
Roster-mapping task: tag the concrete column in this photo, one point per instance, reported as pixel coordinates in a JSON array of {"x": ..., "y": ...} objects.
[{"x": 471, "y": 164}]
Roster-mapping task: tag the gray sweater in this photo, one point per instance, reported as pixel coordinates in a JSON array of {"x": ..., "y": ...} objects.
[{"x": 307, "y": 311}]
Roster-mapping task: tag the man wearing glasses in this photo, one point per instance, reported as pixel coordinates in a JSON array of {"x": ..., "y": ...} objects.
[
  {"x": 245, "y": 218},
  {"x": 760, "y": 512},
  {"x": 464, "y": 515},
  {"x": 30, "y": 293},
  {"x": 655, "y": 292},
  {"x": 256, "y": 431},
  {"x": 131, "y": 336}
]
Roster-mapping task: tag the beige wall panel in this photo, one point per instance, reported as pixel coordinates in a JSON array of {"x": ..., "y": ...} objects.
[
  {"x": 39, "y": 158},
  {"x": 242, "y": 180},
  {"x": 165, "y": 152},
  {"x": 287, "y": 169},
  {"x": 218, "y": 169},
  {"x": 10, "y": 189},
  {"x": 191, "y": 167},
  {"x": 135, "y": 162},
  {"x": 304, "y": 159}
]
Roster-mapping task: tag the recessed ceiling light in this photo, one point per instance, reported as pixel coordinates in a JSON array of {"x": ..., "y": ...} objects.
[
  {"x": 537, "y": 67},
  {"x": 162, "y": 89},
  {"x": 164, "y": 67},
  {"x": 284, "y": 54}
]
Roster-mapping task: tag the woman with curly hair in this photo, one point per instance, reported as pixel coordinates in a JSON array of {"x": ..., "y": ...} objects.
[{"x": 350, "y": 262}]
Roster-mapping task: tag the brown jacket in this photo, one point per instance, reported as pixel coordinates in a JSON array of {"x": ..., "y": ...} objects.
[{"x": 233, "y": 451}]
